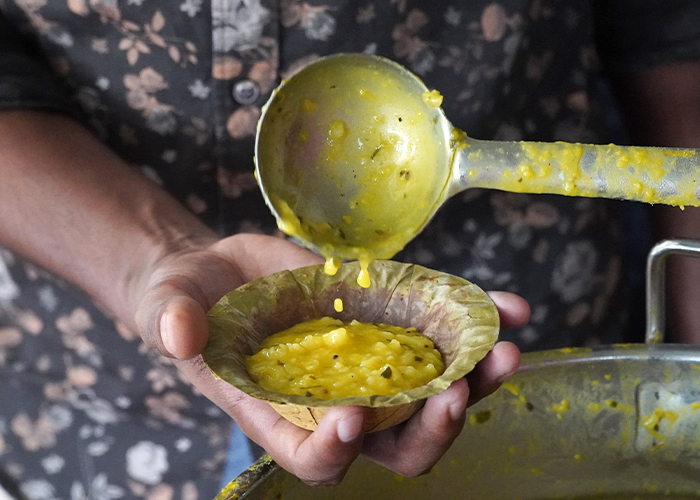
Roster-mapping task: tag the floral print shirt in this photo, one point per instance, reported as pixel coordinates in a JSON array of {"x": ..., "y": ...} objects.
[{"x": 176, "y": 88}]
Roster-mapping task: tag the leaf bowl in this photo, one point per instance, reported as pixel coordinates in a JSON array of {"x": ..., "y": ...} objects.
[{"x": 457, "y": 315}]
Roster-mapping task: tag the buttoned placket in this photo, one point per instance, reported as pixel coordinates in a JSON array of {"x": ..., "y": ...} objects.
[
  {"x": 234, "y": 90},
  {"x": 245, "y": 92}
]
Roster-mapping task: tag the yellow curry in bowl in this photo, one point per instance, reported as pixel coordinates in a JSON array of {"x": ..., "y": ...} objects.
[{"x": 328, "y": 358}]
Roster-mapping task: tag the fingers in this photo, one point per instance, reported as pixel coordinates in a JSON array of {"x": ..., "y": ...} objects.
[
  {"x": 321, "y": 457},
  {"x": 490, "y": 372},
  {"x": 504, "y": 358},
  {"x": 512, "y": 309},
  {"x": 172, "y": 317},
  {"x": 415, "y": 447}
]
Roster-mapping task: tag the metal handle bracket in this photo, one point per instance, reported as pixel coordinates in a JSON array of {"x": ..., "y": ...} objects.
[{"x": 656, "y": 282}]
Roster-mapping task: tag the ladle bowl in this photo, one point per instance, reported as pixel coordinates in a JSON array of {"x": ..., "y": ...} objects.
[
  {"x": 354, "y": 156},
  {"x": 348, "y": 160}
]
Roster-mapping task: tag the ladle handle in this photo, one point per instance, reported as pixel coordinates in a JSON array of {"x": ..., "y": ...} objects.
[
  {"x": 652, "y": 175},
  {"x": 656, "y": 283}
]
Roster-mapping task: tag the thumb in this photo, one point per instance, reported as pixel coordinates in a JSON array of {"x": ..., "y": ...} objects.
[{"x": 174, "y": 323}]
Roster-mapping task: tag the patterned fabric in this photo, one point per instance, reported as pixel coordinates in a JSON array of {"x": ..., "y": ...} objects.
[{"x": 175, "y": 88}]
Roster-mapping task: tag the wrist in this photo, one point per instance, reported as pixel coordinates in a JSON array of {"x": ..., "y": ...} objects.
[
  {"x": 75, "y": 208},
  {"x": 155, "y": 240}
]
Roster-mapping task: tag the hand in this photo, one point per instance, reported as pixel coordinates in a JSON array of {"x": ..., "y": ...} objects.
[
  {"x": 415, "y": 447},
  {"x": 157, "y": 268},
  {"x": 323, "y": 457},
  {"x": 172, "y": 303}
]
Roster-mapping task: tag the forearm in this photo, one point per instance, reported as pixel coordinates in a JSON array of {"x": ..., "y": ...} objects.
[{"x": 72, "y": 206}]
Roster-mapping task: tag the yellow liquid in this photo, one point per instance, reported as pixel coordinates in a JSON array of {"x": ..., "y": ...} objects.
[{"x": 328, "y": 358}]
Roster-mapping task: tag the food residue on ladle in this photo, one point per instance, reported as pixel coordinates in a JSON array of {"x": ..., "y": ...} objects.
[
  {"x": 355, "y": 155},
  {"x": 432, "y": 98},
  {"x": 542, "y": 167},
  {"x": 337, "y": 130},
  {"x": 634, "y": 171},
  {"x": 352, "y": 171}
]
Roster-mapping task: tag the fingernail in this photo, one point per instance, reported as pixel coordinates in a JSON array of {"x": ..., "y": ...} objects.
[
  {"x": 349, "y": 429},
  {"x": 457, "y": 411},
  {"x": 166, "y": 332},
  {"x": 505, "y": 377}
]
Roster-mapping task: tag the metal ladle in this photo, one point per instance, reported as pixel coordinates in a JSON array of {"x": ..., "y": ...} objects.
[{"x": 354, "y": 156}]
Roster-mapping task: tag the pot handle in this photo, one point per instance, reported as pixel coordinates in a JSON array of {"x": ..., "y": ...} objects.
[{"x": 656, "y": 280}]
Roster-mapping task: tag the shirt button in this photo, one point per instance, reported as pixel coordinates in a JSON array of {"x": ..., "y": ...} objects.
[{"x": 245, "y": 92}]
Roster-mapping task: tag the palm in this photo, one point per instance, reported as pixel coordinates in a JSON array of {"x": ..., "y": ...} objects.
[{"x": 183, "y": 286}]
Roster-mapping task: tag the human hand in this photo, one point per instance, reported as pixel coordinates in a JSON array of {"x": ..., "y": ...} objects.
[
  {"x": 173, "y": 300},
  {"x": 322, "y": 457},
  {"x": 157, "y": 268},
  {"x": 413, "y": 448}
]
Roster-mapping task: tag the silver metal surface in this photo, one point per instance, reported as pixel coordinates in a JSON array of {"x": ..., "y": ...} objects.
[
  {"x": 596, "y": 172},
  {"x": 619, "y": 422},
  {"x": 302, "y": 177}
]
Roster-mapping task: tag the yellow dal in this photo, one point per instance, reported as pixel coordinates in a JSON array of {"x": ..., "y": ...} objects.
[{"x": 328, "y": 358}]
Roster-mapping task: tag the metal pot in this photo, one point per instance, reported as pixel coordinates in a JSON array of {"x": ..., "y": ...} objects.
[{"x": 619, "y": 421}]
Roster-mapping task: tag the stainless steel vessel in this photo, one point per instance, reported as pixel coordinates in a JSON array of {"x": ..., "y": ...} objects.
[{"x": 617, "y": 422}]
